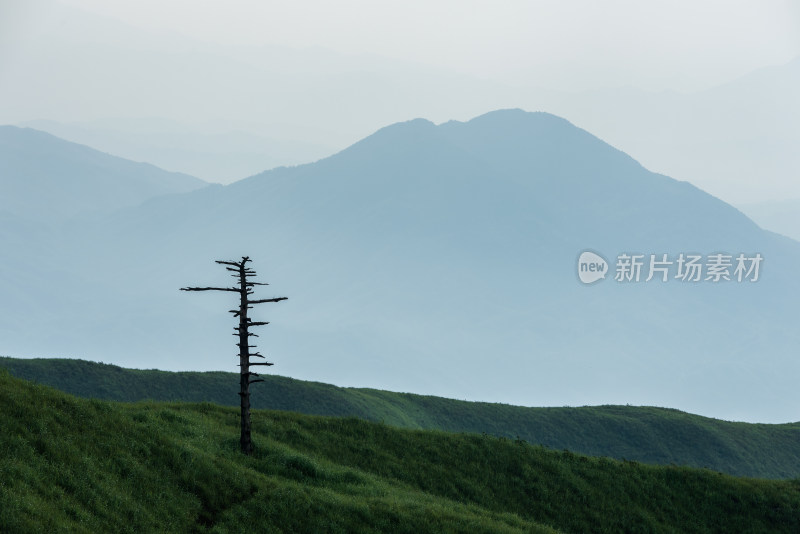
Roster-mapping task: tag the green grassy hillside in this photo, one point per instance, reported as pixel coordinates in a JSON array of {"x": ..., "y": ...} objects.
[
  {"x": 651, "y": 435},
  {"x": 71, "y": 464}
]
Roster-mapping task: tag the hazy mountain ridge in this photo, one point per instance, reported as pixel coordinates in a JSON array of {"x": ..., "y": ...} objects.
[
  {"x": 46, "y": 179},
  {"x": 724, "y": 137},
  {"x": 442, "y": 260},
  {"x": 782, "y": 217},
  {"x": 217, "y": 152}
]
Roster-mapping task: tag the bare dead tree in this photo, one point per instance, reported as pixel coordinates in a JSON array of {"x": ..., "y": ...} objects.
[{"x": 243, "y": 275}]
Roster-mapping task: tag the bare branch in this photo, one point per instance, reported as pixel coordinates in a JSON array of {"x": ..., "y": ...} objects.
[
  {"x": 267, "y": 300},
  {"x": 239, "y": 331},
  {"x": 235, "y": 290}
]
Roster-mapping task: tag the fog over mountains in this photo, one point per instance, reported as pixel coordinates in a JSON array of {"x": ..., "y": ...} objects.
[
  {"x": 222, "y": 111},
  {"x": 47, "y": 179},
  {"x": 428, "y": 258},
  {"x": 782, "y": 216},
  {"x": 725, "y": 138}
]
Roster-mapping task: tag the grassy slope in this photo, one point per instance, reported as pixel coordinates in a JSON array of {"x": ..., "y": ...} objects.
[
  {"x": 652, "y": 435},
  {"x": 95, "y": 466}
]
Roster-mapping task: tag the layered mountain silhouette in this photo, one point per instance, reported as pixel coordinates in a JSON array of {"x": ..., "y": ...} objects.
[
  {"x": 44, "y": 178},
  {"x": 722, "y": 138},
  {"x": 435, "y": 259},
  {"x": 221, "y": 152},
  {"x": 782, "y": 217}
]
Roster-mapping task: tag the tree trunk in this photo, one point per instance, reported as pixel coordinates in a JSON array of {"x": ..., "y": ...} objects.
[{"x": 244, "y": 363}]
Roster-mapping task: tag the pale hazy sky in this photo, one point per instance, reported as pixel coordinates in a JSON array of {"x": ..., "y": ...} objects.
[{"x": 573, "y": 45}]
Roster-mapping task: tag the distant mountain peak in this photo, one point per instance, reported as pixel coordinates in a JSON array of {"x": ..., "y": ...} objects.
[
  {"x": 513, "y": 114},
  {"x": 404, "y": 129}
]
